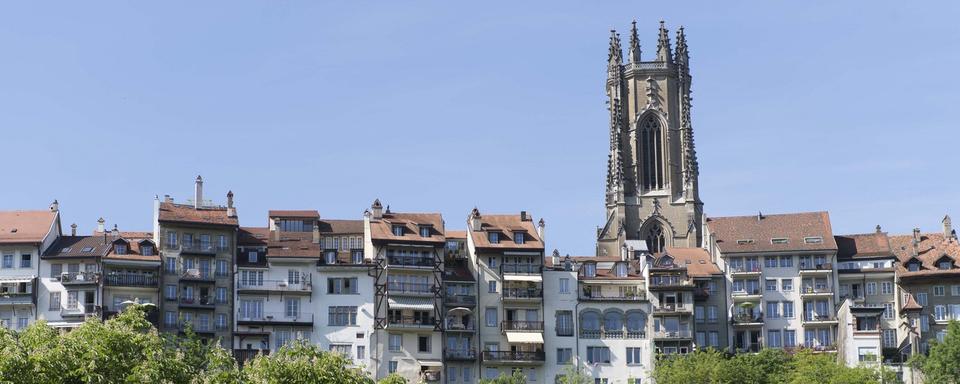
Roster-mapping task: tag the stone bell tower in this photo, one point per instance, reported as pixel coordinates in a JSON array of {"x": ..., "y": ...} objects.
[{"x": 652, "y": 171}]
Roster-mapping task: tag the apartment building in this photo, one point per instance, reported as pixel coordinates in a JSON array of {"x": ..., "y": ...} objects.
[
  {"x": 197, "y": 241},
  {"x": 671, "y": 296},
  {"x": 71, "y": 277},
  {"x": 24, "y": 236},
  {"x": 559, "y": 315},
  {"x": 507, "y": 252},
  {"x": 130, "y": 273},
  {"x": 710, "y": 298},
  {"x": 929, "y": 264},
  {"x": 408, "y": 251},
  {"x": 781, "y": 276},
  {"x": 460, "y": 312}
]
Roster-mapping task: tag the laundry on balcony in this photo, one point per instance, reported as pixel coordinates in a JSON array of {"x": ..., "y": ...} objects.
[
  {"x": 415, "y": 303},
  {"x": 524, "y": 338}
]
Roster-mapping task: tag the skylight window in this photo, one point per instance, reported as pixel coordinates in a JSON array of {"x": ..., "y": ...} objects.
[
  {"x": 87, "y": 249},
  {"x": 778, "y": 240},
  {"x": 813, "y": 240},
  {"x": 744, "y": 241},
  {"x": 65, "y": 250}
]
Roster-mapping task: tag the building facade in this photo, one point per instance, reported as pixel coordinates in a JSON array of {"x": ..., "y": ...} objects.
[{"x": 24, "y": 237}]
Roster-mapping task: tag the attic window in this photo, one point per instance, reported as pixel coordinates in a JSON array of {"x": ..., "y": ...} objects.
[
  {"x": 424, "y": 231},
  {"x": 65, "y": 250},
  {"x": 813, "y": 240},
  {"x": 744, "y": 241},
  {"x": 120, "y": 249},
  {"x": 590, "y": 270},
  {"x": 620, "y": 270},
  {"x": 778, "y": 240},
  {"x": 87, "y": 249},
  {"x": 146, "y": 250},
  {"x": 493, "y": 237},
  {"x": 944, "y": 264},
  {"x": 518, "y": 237},
  {"x": 397, "y": 230}
]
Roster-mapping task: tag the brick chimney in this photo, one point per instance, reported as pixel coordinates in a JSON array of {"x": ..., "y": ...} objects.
[
  {"x": 198, "y": 193},
  {"x": 275, "y": 234}
]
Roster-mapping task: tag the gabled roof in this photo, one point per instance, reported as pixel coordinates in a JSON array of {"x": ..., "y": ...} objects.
[
  {"x": 451, "y": 234},
  {"x": 135, "y": 240},
  {"x": 382, "y": 229},
  {"x": 252, "y": 236},
  {"x": 182, "y": 213},
  {"x": 930, "y": 249},
  {"x": 294, "y": 213},
  {"x": 19, "y": 227},
  {"x": 74, "y": 246},
  {"x": 328, "y": 226},
  {"x": 507, "y": 226},
  {"x": 293, "y": 245},
  {"x": 697, "y": 261},
  {"x": 863, "y": 246},
  {"x": 746, "y": 234}
]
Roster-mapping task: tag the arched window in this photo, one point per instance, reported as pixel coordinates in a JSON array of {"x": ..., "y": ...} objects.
[
  {"x": 613, "y": 321},
  {"x": 655, "y": 239},
  {"x": 635, "y": 321},
  {"x": 590, "y": 321},
  {"x": 650, "y": 137}
]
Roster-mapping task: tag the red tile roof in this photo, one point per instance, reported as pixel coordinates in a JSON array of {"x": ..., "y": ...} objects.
[
  {"x": 868, "y": 245},
  {"x": 929, "y": 250},
  {"x": 451, "y": 234},
  {"x": 731, "y": 231},
  {"x": 328, "y": 226},
  {"x": 135, "y": 239},
  {"x": 294, "y": 213},
  {"x": 382, "y": 229},
  {"x": 182, "y": 213},
  {"x": 294, "y": 245},
  {"x": 697, "y": 261},
  {"x": 18, "y": 227},
  {"x": 506, "y": 225},
  {"x": 254, "y": 236}
]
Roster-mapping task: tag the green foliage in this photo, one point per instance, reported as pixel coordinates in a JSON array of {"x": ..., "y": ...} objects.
[
  {"x": 302, "y": 363},
  {"x": 516, "y": 378},
  {"x": 393, "y": 378},
  {"x": 572, "y": 375},
  {"x": 942, "y": 364}
]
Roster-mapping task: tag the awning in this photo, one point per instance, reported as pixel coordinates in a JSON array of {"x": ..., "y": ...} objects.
[
  {"x": 524, "y": 338},
  {"x": 64, "y": 324},
  {"x": 416, "y": 303},
  {"x": 536, "y": 278},
  {"x": 430, "y": 363},
  {"x": 16, "y": 279},
  {"x": 460, "y": 309}
]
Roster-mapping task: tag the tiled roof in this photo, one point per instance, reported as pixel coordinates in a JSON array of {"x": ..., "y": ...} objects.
[
  {"x": 253, "y": 236},
  {"x": 868, "y": 245},
  {"x": 181, "y": 213},
  {"x": 25, "y": 226},
  {"x": 506, "y": 225},
  {"x": 451, "y": 234},
  {"x": 697, "y": 261},
  {"x": 74, "y": 246},
  {"x": 294, "y": 213},
  {"x": 294, "y": 245},
  {"x": 135, "y": 239},
  {"x": 340, "y": 226},
  {"x": 740, "y": 234},
  {"x": 382, "y": 229},
  {"x": 930, "y": 249}
]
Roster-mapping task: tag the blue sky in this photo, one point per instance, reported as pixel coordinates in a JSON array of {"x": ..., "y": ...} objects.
[{"x": 441, "y": 106}]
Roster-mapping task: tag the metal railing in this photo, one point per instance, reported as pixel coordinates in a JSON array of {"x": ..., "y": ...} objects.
[
  {"x": 662, "y": 281},
  {"x": 460, "y": 300},
  {"x": 818, "y": 317},
  {"x": 521, "y": 269},
  {"x": 275, "y": 285},
  {"x": 200, "y": 301},
  {"x": 814, "y": 266},
  {"x": 11, "y": 298},
  {"x": 244, "y": 355},
  {"x": 749, "y": 268},
  {"x": 740, "y": 318},
  {"x": 410, "y": 261},
  {"x": 398, "y": 287},
  {"x": 747, "y": 292},
  {"x": 123, "y": 279},
  {"x": 68, "y": 278},
  {"x": 411, "y": 321},
  {"x": 457, "y": 325},
  {"x": 521, "y": 325},
  {"x": 522, "y": 293},
  {"x": 807, "y": 290},
  {"x": 202, "y": 248},
  {"x": 612, "y": 334},
  {"x": 679, "y": 334},
  {"x": 282, "y": 317},
  {"x": 599, "y": 295},
  {"x": 460, "y": 354},
  {"x": 668, "y": 308},
  {"x": 197, "y": 275},
  {"x": 513, "y": 356}
]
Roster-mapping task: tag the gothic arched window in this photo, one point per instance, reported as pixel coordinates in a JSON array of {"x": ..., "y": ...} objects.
[
  {"x": 655, "y": 239},
  {"x": 650, "y": 137}
]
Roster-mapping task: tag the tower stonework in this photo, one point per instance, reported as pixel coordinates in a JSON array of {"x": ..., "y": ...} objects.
[{"x": 652, "y": 189}]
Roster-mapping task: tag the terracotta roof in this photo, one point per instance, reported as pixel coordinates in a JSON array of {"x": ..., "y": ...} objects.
[
  {"x": 294, "y": 245},
  {"x": 253, "y": 236},
  {"x": 451, "y": 234},
  {"x": 911, "y": 303},
  {"x": 294, "y": 213},
  {"x": 506, "y": 225},
  {"x": 734, "y": 233},
  {"x": 135, "y": 239},
  {"x": 697, "y": 261},
  {"x": 930, "y": 249},
  {"x": 75, "y": 246},
  {"x": 181, "y": 213},
  {"x": 340, "y": 226},
  {"x": 382, "y": 229},
  {"x": 868, "y": 245},
  {"x": 25, "y": 226}
]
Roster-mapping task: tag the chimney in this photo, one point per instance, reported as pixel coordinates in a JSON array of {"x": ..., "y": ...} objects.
[
  {"x": 198, "y": 193},
  {"x": 474, "y": 219},
  {"x": 947, "y": 227},
  {"x": 100, "y": 225},
  {"x": 759, "y": 215},
  {"x": 316, "y": 233},
  {"x": 523, "y": 216},
  {"x": 231, "y": 211},
  {"x": 541, "y": 227},
  {"x": 274, "y": 234},
  {"x": 167, "y": 199},
  {"x": 556, "y": 258},
  {"x": 916, "y": 235},
  {"x": 73, "y": 229},
  {"x": 115, "y": 232},
  {"x": 879, "y": 230},
  {"x": 377, "y": 209},
  {"x": 55, "y": 206}
]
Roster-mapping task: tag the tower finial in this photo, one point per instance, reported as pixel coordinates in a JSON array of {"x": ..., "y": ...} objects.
[
  {"x": 634, "y": 54},
  {"x": 615, "y": 55},
  {"x": 682, "y": 56},
  {"x": 663, "y": 44}
]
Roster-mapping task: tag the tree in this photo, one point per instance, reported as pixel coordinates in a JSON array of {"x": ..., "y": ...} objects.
[
  {"x": 516, "y": 378},
  {"x": 942, "y": 364},
  {"x": 573, "y": 375},
  {"x": 393, "y": 378},
  {"x": 304, "y": 363}
]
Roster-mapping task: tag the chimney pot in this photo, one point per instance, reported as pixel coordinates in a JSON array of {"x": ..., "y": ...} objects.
[
  {"x": 167, "y": 199},
  {"x": 274, "y": 235},
  {"x": 947, "y": 227},
  {"x": 55, "y": 206},
  {"x": 115, "y": 232},
  {"x": 73, "y": 229},
  {"x": 377, "y": 209},
  {"x": 100, "y": 225},
  {"x": 198, "y": 193},
  {"x": 316, "y": 233},
  {"x": 523, "y": 215}
]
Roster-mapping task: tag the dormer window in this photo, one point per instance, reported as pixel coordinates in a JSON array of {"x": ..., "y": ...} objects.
[
  {"x": 590, "y": 270},
  {"x": 397, "y": 230},
  {"x": 945, "y": 264},
  {"x": 357, "y": 256},
  {"x": 913, "y": 266},
  {"x": 330, "y": 257},
  {"x": 813, "y": 240},
  {"x": 744, "y": 241},
  {"x": 120, "y": 249},
  {"x": 146, "y": 250},
  {"x": 518, "y": 237},
  {"x": 620, "y": 270},
  {"x": 424, "y": 231},
  {"x": 493, "y": 237}
]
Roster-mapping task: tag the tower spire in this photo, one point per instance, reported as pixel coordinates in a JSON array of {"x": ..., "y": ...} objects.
[
  {"x": 615, "y": 56},
  {"x": 691, "y": 168},
  {"x": 682, "y": 56},
  {"x": 663, "y": 44},
  {"x": 634, "y": 54}
]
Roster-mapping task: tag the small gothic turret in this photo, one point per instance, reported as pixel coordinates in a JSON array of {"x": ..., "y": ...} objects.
[
  {"x": 614, "y": 57},
  {"x": 634, "y": 54},
  {"x": 682, "y": 57},
  {"x": 663, "y": 44}
]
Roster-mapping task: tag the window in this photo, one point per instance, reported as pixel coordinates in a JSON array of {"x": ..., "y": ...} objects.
[
  {"x": 292, "y": 307},
  {"x": 698, "y": 314},
  {"x": 598, "y": 355},
  {"x": 565, "y": 286},
  {"x": 564, "y": 355},
  {"x": 394, "y": 344},
  {"x": 787, "y": 309},
  {"x": 120, "y": 249},
  {"x": 222, "y": 268},
  {"x": 361, "y": 352},
  {"x": 913, "y": 266},
  {"x": 72, "y": 298},
  {"x": 813, "y": 240},
  {"x": 492, "y": 286},
  {"x": 492, "y": 261},
  {"x": 786, "y": 261},
  {"x": 714, "y": 338},
  {"x": 924, "y": 323},
  {"x": 770, "y": 262},
  {"x": 773, "y": 339},
  {"x": 944, "y": 265},
  {"x": 955, "y": 290},
  {"x": 357, "y": 256},
  {"x": 922, "y": 298},
  {"x": 423, "y": 344},
  {"x": 342, "y": 315},
  {"x": 656, "y": 240},
  {"x": 889, "y": 338},
  {"x": 25, "y": 261},
  {"x": 8, "y": 261},
  {"x": 170, "y": 265},
  {"x": 779, "y": 240},
  {"x": 940, "y": 313},
  {"x": 221, "y": 295},
  {"x": 293, "y": 276},
  {"x": 786, "y": 285},
  {"x": 938, "y": 290},
  {"x": 467, "y": 374},
  {"x": 54, "y": 301},
  {"x": 424, "y": 231},
  {"x": 169, "y": 319},
  {"x": 789, "y": 338},
  {"x": 701, "y": 338},
  {"x": 392, "y": 366},
  {"x": 867, "y": 354},
  {"x": 518, "y": 237},
  {"x": 221, "y": 322},
  {"x": 490, "y": 317},
  {"x": 493, "y": 237},
  {"x": 171, "y": 292},
  {"x": 620, "y": 270},
  {"x": 564, "y": 323},
  {"x": 452, "y": 374},
  {"x": 887, "y": 310},
  {"x": 56, "y": 270},
  {"x": 188, "y": 240},
  {"x": 397, "y": 231},
  {"x": 773, "y": 309},
  {"x": 634, "y": 356},
  {"x": 712, "y": 313},
  {"x": 771, "y": 285},
  {"x": 871, "y": 288},
  {"x": 886, "y": 288},
  {"x": 590, "y": 270}
]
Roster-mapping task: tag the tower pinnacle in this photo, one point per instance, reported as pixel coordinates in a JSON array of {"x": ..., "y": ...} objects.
[
  {"x": 634, "y": 54},
  {"x": 663, "y": 44}
]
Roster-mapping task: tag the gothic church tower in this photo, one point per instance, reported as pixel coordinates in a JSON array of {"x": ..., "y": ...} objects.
[{"x": 652, "y": 172}]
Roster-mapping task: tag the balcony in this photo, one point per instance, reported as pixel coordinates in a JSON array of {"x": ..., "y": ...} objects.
[
  {"x": 817, "y": 318},
  {"x": 80, "y": 278},
  {"x": 521, "y": 269},
  {"x": 612, "y": 334},
  {"x": 460, "y": 354},
  {"x": 202, "y": 249},
  {"x": 673, "y": 335},
  {"x": 133, "y": 280},
  {"x": 816, "y": 291},
  {"x": 747, "y": 319},
  {"x": 202, "y": 329},
  {"x": 456, "y": 325},
  {"x": 749, "y": 294},
  {"x": 600, "y": 295},
  {"x": 80, "y": 310},
  {"x": 749, "y": 348},
  {"x": 514, "y": 357},
  {"x": 701, "y": 294},
  {"x": 244, "y": 355},
  {"x": 275, "y": 318},
  {"x": 745, "y": 270},
  {"x": 522, "y": 294},
  {"x": 410, "y": 262},
  {"x": 460, "y": 301},
  {"x": 813, "y": 268},
  {"x": 411, "y": 322},
  {"x": 521, "y": 326},
  {"x": 275, "y": 286},
  {"x": 411, "y": 289},
  {"x": 199, "y": 302},
  {"x": 194, "y": 275},
  {"x": 429, "y": 376},
  {"x": 672, "y": 283},
  {"x": 671, "y": 309},
  {"x": 17, "y": 298}
]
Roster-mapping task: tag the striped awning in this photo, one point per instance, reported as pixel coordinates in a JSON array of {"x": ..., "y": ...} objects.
[
  {"x": 415, "y": 303},
  {"x": 524, "y": 338},
  {"x": 16, "y": 279}
]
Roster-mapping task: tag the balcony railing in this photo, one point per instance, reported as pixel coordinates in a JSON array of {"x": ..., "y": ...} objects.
[
  {"x": 86, "y": 310},
  {"x": 612, "y": 334},
  {"x": 673, "y": 282},
  {"x": 747, "y": 292},
  {"x": 679, "y": 334},
  {"x": 194, "y": 274},
  {"x": 749, "y": 268},
  {"x": 122, "y": 279},
  {"x": 521, "y": 325},
  {"x": 79, "y": 278},
  {"x": 460, "y": 300},
  {"x": 521, "y": 269},
  {"x": 15, "y": 298},
  {"x": 275, "y": 285},
  {"x": 197, "y": 301},
  {"x": 458, "y": 325},
  {"x": 410, "y": 261},
  {"x": 746, "y": 318},
  {"x": 205, "y": 249},
  {"x": 749, "y": 348},
  {"x": 812, "y": 290},
  {"x": 411, "y": 321},
  {"x": 522, "y": 293},
  {"x": 672, "y": 308},
  {"x": 513, "y": 356},
  {"x": 460, "y": 354},
  {"x": 599, "y": 295},
  {"x": 244, "y": 355},
  {"x": 808, "y": 266},
  {"x": 565, "y": 331},
  {"x": 275, "y": 317},
  {"x": 196, "y": 326},
  {"x": 414, "y": 288},
  {"x": 819, "y": 317}
]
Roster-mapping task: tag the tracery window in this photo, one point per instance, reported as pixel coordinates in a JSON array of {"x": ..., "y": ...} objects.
[
  {"x": 650, "y": 143},
  {"x": 655, "y": 239}
]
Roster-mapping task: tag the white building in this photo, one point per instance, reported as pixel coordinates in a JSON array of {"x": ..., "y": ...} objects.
[
  {"x": 24, "y": 236},
  {"x": 560, "y": 333},
  {"x": 70, "y": 277}
]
